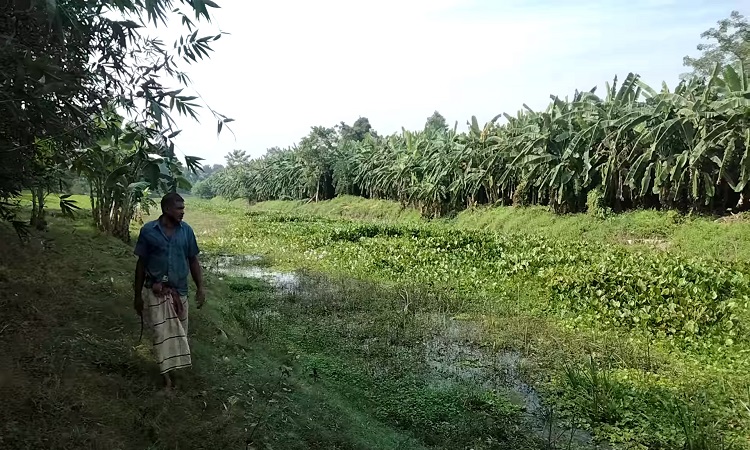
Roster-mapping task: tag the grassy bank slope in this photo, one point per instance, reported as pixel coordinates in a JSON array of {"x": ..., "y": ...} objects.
[
  {"x": 726, "y": 239},
  {"x": 346, "y": 206},
  {"x": 73, "y": 374}
]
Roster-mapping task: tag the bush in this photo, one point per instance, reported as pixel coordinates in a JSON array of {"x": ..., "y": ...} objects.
[
  {"x": 204, "y": 189},
  {"x": 596, "y": 205}
]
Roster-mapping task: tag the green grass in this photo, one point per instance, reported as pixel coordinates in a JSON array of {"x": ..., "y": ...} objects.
[
  {"x": 365, "y": 354},
  {"x": 666, "y": 326},
  {"x": 536, "y": 219},
  {"x": 724, "y": 239},
  {"x": 346, "y": 206},
  {"x": 75, "y": 376}
]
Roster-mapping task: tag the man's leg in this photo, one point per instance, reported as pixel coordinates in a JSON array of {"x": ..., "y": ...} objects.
[
  {"x": 153, "y": 314},
  {"x": 167, "y": 381},
  {"x": 171, "y": 377},
  {"x": 167, "y": 328}
]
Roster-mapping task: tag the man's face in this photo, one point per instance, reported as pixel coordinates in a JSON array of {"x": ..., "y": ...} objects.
[{"x": 177, "y": 211}]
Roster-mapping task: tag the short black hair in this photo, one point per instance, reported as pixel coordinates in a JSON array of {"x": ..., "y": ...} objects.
[{"x": 169, "y": 200}]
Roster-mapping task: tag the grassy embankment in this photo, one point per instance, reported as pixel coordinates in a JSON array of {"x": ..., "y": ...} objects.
[
  {"x": 723, "y": 239},
  {"x": 634, "y": 327},
  {"x": 370, "y": 363},
  {"x": 74, "y": 375}
]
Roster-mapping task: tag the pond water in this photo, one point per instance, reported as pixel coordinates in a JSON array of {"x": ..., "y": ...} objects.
[
  {"x": 242, "y": 266},
  {"x": 452, "y": 353}
]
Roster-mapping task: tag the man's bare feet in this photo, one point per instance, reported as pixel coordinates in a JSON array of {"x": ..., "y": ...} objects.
[{"x": 168, "y": 385}]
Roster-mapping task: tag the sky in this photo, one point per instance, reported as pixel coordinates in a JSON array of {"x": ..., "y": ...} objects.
[{"x": 288, "y": 65}]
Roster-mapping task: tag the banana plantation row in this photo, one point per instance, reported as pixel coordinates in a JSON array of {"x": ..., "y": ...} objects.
[{"x": 634, "y": 146}]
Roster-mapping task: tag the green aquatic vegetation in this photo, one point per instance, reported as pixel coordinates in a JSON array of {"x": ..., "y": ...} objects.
[{"x": 666, "y": 331}]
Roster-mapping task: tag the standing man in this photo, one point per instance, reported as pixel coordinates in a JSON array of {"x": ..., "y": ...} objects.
[{"x": 167, "y": 250}]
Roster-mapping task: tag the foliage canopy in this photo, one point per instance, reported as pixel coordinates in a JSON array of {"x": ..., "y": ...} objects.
[{"x": 65, "y": 63}]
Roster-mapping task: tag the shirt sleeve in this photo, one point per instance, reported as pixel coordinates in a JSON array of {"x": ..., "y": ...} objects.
[
  {"x": 141, "y": 246},
  {"x": 192, "y": 243}
]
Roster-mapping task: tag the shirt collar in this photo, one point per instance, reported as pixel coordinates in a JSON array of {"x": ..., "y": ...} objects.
[{"x": 157, "y": 223}]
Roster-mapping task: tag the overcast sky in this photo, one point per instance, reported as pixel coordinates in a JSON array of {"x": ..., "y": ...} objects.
[{"x": 290, "y": 64}]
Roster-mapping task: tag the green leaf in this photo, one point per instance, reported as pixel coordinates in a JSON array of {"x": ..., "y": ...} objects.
[
  {"x": 116, "y": 174},
  {"x": 151, "y": 173},
  {"x": 732, "y": 79}
]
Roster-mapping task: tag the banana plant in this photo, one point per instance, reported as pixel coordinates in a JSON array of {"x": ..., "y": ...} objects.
[
  {"x": 123, "y": 167},
  {"x": 685, "y": 148}
]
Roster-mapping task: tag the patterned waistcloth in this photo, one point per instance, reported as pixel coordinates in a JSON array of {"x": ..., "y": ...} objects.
[{"x": 167, "y": 317}]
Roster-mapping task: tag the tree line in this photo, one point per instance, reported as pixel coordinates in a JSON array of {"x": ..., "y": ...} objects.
[
  {"x": 630, "y": 146},
  {"x": 72, "y": 70}
]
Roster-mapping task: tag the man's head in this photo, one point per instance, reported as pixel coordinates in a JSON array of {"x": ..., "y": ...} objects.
[{"x": 173, "y": 206}]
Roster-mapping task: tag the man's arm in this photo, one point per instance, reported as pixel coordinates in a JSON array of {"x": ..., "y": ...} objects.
[
  {"x": 141, "y": 250},
  {"x": 196, "y": 271},
  {"x": 140, "y": 278}
]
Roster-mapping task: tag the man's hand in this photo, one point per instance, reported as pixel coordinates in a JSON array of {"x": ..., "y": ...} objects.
[
  {"x": 138, "y": 304},
  {"x": 200, "y": 297}
]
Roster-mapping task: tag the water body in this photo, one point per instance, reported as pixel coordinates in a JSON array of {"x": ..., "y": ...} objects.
[
  {"x": 245, "y": 266},
  {"x": 452, "y": 353}
]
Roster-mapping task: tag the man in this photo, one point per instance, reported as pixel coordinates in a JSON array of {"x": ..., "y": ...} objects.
[{"x": 167, "y": 250}]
